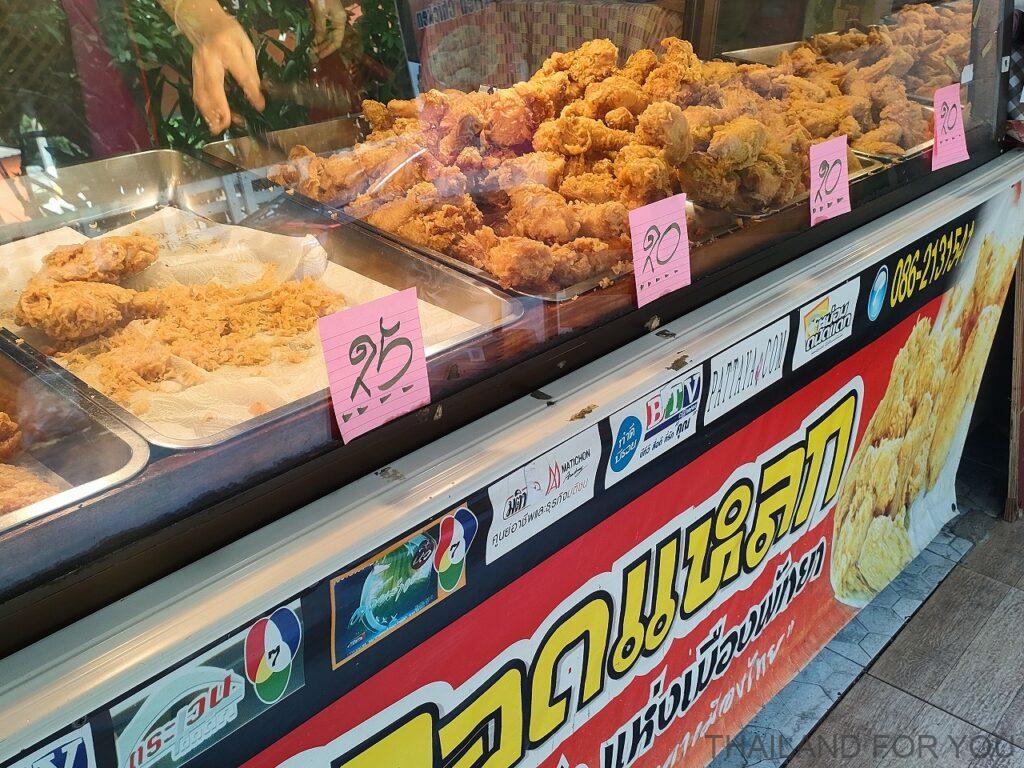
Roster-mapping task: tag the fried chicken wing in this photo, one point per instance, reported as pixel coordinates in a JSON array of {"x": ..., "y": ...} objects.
[
  {"x": 103, "y": 260},
  {"x": 590, "y": 188},
  {"x": 738, "y": 143},
  {"x": 10, "y": 437},
  {"x": 579, "y": 136},
  {"x": 76, "y": 310},
  {"x": 541, "y": 214},
  {"x": 664, "y": 125},
  {"x": 606, "y": 221},
  {"x": 612, "y": 93},
  {"x": 582, "y": 259},
  {"x": 19, "y": 488},
  {"x": 519, "y": 262}
]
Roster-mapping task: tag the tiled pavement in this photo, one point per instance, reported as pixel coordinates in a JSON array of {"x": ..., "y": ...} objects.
[{"x": 948, "y": 691}]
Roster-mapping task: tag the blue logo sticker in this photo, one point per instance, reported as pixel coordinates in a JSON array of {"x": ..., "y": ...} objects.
[
  {"x": 876, "y": 299},
  {"x": 626, "y": 443}
]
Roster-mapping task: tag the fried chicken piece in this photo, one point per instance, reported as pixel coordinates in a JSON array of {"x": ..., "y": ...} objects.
[
  {"x": 459, "y": 211},
  {"x": 913, "y": 120},
  {"x": 707, "y": 182},
  {"x": 76, "y": 310},
  {"x": 738, "y": 143},
  {"x": 472, "y": 247},
  {"x": 377, "y": 115},
  {"x": 883, "y": 140},
  {"x": 10, "y": 437},
  {"x": 679, "y": 50},
  {"x": 606, "y": 221},
  {"x": 20, "y": 488},
  {"x": 544, "y": 168},
  {"x": 621, "y": 119},
  {"x": 612, "y": 93},
  {"x": 579, "y": 136},
  {"x": 520, "y": 262},
  {"x": 590, "y": 188},
  {"x": 441, "y": 228},
  {"x": 676, "y": 82},
  {"x": 643, "y": 174},
  {"x": 103, "y": 260},
  {"x": 593, "y": 61},
  {"x": 513, "y": 115},
  {"x": 664, "y": 125},
  {"x": 582, "y": 259},
  {"x": 541, "y": 214},
  {"x": 639, "y": 65}
]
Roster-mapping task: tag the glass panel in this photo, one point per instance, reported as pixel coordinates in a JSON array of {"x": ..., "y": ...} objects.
[{"x": 188, "y": 186}]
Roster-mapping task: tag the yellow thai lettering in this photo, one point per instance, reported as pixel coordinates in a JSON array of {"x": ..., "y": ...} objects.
[
  {"x": 835, "y": 428},
  {"x": 590, "y": 625},
  {"x": 463, "y": 734},
  {"x": 666, "y": 596},
  {"x": 630, "y": 641}
]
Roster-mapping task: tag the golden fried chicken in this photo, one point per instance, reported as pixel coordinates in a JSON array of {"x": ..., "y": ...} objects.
[
  {"x": 103, "y": 260},
  {"x": 541, "y": 214},
  {"x": 19, "y": 488},
  {"x": 76, "y": 310},
  {"x": 738, "y": 143},
  {"x": 513, "y": 115},
  {"x": 621, "y": 119},
  {"x": 583, "y": 258},
  {"x": 519, "y": 262},
  {"x": 664, "y": 125},
  {"x": 10, "y": 437},
  {"x": 639, "y": 65},
  {"x": 544, "y": 168},
  {"x": 612, "y": 93},
  {"x": 607, "y": 221},
  {"x": 643, "y": 175},
  {"x": 579, "y": 136},
  {"x": 883, "y": 140},
  {"x": 590, "y": 187}
]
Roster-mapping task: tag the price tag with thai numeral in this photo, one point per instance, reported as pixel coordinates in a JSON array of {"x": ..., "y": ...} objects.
[
  {"x": 661, "y": 248},
  {"x": 375, "y": 362},
  {"x": 830, "y": 179},
  {"x": 950, "y": 141}
]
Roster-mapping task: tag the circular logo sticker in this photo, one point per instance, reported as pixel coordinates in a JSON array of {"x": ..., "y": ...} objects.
[
  {"x": 876, "y": 299},
  {"x": 270, "y": 648},
  {"x": 456, "y": 535},
  {"x": 626, "y": 443}
]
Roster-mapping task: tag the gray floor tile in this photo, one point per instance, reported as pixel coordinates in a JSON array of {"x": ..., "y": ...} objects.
[
  {"x": 937, "y": 739},
  {"x": 974, "y": 525},
  {"x": 1011, "y": 726},
  {"x": 927, "y": 650},
  {"x": 1001, "y": 555},
  {"x": 848, "y": 737},
  {"x": 989, "y": 674}
]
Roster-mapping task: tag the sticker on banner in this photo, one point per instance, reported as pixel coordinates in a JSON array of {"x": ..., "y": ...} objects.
[
  {"x": 193, "y": 707},
  {"x": 746, "y": 368},
  {"x": 544, "y": 491},
  {"x": 825, "y": 322},
  {"x": 950, "y": 141},
  {"x": 661, "y": 248},
  {"x": 385, "y": 592},
  {"x": 647, "y": 428},
  {"x": 375, "y": 362},
  {"x": 73, "y": 750},
  {"x": 830, "y": 179}
]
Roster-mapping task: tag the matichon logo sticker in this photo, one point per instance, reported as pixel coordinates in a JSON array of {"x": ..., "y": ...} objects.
[
  {"x": 825, "y": 322},
  {"x": 191, "y": 708},
  {"x": 542, "y": 492},
  {"x": 649, "y": 427}
]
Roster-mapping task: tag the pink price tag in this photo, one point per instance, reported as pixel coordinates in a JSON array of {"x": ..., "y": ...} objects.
[
  {"x": 375, "y": 362},
  {"x": 950, "y": 141},
  {"x": 661, "y": 248},
  {"x": 830, "y": 179}
]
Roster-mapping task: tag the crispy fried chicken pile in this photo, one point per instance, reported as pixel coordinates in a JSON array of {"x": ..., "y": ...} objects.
[{"x": 534, "y": 183}]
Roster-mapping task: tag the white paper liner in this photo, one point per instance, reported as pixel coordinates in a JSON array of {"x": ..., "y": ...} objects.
[{"x": 197, "y": 251}]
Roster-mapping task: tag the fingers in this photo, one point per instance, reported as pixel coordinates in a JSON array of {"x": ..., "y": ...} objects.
[
  {"x": 241, "y": 63},
  {"x": 329, "y": 20},
  {"x": 208, "y": 89}
]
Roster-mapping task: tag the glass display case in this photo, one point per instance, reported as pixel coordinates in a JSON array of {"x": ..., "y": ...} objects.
[{"x": 162, "y": 383}]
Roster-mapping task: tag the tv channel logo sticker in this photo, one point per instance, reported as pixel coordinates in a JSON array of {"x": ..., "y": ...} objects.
[
  {"x": 825, "y": 322},
  {"x": 271, "y": 646},
  {"x": 455, "y": 537},
  {"x": 879, "y": 290},
  {"x": 73, "y": 750},
  {"x": 648, "y": 427}
]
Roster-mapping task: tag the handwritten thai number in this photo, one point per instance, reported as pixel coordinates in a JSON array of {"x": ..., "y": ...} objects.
[
  {"x": 388, "y": 348},
  {"x": 364, "y": 350},
  {"x": 653, "y": 241},
  {"x": 826, "y": 172},
  {"x": 361, "y": 350},
  {"x": 950, "y": 114}
]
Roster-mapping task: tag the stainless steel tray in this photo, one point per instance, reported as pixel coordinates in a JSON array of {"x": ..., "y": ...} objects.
[
  {"x": 765, "y": 54},
  {"x": 201, "y": 188},
  {"x": 258, "y": 154},
  {"x": 914, "y": 151},
  {"x": 65, "y": 434}
]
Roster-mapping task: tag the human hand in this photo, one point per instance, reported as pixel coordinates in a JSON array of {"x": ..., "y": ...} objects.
[
  {"x": 225, "y": 48},
  {"x": 329, "y": 21}
]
